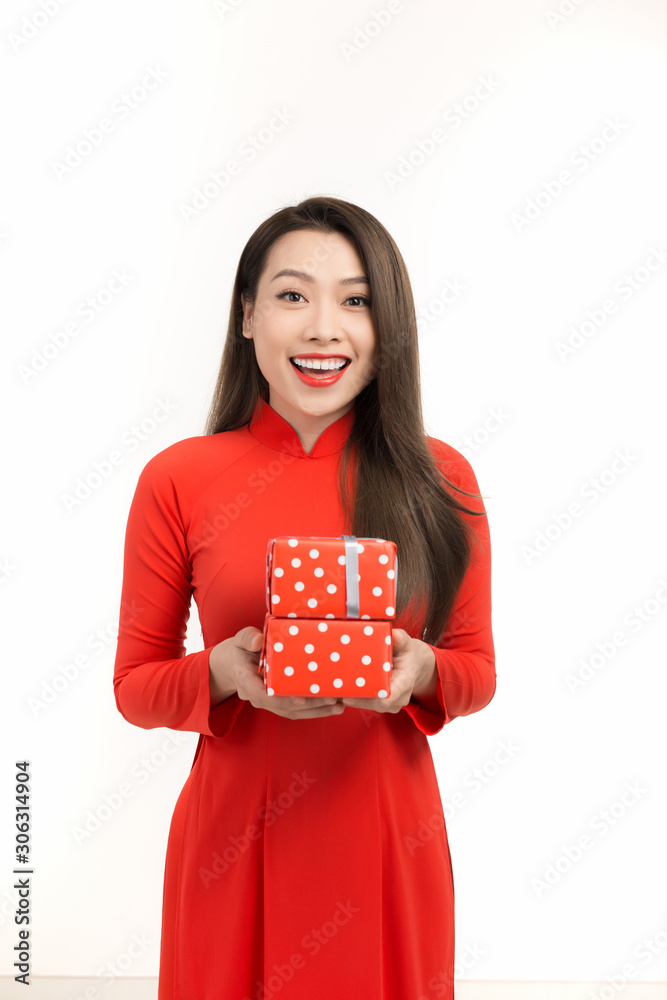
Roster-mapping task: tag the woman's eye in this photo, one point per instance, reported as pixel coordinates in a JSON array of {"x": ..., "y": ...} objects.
[{"x": 357, "y": 299}]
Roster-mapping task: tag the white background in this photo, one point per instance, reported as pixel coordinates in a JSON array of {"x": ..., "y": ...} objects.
[{"x": 459, "y": 216}]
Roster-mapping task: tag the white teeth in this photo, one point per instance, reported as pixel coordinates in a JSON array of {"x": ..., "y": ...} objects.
[{"x": 325, "y": 365}]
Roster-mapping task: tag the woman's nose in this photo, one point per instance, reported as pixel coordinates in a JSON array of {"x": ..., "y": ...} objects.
[{"x": 324, "y": 322}]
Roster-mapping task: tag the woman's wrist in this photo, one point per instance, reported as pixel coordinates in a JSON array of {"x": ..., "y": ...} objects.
[
  {"x": 426, "y": 686},
  {"x": 220, "y": 684}
]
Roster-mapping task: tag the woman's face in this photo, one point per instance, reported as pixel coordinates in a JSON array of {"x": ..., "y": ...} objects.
[{"x": 313, "y": 303}]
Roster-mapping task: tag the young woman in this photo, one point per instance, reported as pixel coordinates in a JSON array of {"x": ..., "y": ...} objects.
[{"x": 307, "y": 854}]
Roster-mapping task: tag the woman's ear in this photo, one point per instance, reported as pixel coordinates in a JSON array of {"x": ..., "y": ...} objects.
[{"x": 246, "y": 323}]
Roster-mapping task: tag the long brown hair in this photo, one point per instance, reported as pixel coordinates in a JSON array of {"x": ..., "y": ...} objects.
[{"x": 389, "y": 484}]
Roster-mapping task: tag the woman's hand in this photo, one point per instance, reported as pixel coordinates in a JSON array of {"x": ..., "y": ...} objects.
[
  {"x": 233, "y": 669},
  {"x": 414, "y": 674}
]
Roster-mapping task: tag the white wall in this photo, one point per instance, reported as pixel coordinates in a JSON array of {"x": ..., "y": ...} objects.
[{"x": 559, "y": 422}]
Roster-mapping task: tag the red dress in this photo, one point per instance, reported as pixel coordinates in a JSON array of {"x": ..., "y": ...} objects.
[{"x": 306, "y": 858}]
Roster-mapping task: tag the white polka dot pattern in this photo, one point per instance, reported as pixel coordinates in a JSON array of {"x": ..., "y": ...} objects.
[
  {"x": 347, "y": 658},
  {"x": 307, "y": 583},
  {"x": 306, "y": 577}
]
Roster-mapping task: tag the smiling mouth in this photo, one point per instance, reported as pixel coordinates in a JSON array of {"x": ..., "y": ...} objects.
[{"x": 320, "y": 369}]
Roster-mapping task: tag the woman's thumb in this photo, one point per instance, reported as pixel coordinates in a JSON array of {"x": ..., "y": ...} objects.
[
  {"x": 250, "y": 638},
  {"x": 399, "y": 639}
]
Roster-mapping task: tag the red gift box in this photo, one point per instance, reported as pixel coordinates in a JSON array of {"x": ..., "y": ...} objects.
[
  {"x": 334, "y": 658},
  {"x": 341, "y": 577}
]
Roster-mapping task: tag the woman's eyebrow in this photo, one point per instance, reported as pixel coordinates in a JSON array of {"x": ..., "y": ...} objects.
[{"x": 309, "y": 277}]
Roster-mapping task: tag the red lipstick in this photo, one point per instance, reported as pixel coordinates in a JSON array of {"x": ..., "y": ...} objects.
[{"x": 322, "y": 379}]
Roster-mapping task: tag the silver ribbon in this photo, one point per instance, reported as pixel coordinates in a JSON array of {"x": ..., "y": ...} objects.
[{"x": 351, "y": 575}]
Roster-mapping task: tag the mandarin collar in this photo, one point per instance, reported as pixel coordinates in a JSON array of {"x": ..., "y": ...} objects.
[{"x": 269, "y": 427}]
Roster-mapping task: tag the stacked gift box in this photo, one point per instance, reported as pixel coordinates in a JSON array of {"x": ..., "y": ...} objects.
[{"x": 327, "y": 630}]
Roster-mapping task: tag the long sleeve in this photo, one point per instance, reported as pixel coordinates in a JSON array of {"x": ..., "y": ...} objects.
[
  {"x": 155, "y": 682},
  {"x": 465, "y": 656}
]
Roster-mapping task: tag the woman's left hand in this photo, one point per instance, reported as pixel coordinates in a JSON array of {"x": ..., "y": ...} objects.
[{"x": 413, "y": 674}]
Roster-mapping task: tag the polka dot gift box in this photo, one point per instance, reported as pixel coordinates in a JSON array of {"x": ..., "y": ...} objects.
[
  {"x": 324, "y": 658},
  {"x": 327, "y": 630},
  {"x": 343, "y": 577}
]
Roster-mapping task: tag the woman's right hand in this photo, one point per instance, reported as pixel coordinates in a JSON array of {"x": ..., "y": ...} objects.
[{"x": 233, "y": 669}]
